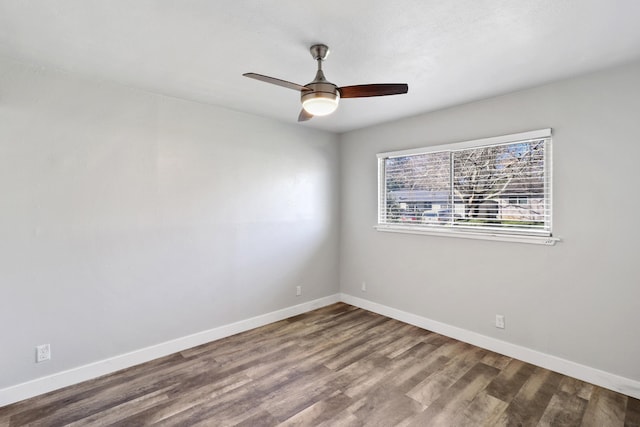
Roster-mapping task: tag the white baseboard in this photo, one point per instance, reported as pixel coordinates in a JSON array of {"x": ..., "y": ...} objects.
[
  {"x": 585, "y": 373},
  {"x": 76, "y": 375},
  {"x": 83, "y": 373}
]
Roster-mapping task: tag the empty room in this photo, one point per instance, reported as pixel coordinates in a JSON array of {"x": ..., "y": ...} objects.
[{"x": 287, "y": 213}]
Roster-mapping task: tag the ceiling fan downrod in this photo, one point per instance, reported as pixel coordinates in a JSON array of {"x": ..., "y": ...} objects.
[{"x": 323, "y": 97}]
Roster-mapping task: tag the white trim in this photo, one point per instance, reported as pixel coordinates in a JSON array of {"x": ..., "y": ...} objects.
[
  {"x": 406, "y": 229},
  {"x": 585, "y": 373},
  {"x": 494, "y": 140},
  {"x": 72, "y": 376},
  {"x": 76, "y": 375}
]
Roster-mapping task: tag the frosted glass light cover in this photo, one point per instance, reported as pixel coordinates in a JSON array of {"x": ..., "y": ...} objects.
[{"x": 320, "y": 106}]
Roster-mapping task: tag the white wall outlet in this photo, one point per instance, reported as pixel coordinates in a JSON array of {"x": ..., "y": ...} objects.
[
  {"x": 298, "y": 291},
  {"x": 43, "y": 352},
  {"x": 364, "y": 287},
  {"x": 500, "y": 321}
]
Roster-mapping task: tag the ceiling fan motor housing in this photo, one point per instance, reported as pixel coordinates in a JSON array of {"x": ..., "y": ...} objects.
[{"x": 322, "y": 98}]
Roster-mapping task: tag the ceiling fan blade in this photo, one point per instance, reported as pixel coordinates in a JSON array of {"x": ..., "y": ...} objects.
[
  {"x": 275, "y": 81},
  {"x": 381, "y": 89},
  {"x": 304, "y": 116}
]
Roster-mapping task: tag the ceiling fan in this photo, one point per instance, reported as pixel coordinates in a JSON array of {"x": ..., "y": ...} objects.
[{"x": 321, "y": 97}]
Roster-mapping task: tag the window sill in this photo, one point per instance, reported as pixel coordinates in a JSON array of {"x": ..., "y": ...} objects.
[{"x": 535, "y": 240}]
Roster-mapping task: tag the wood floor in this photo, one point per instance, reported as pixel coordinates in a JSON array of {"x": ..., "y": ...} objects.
[{"x": 336, "y": 366}]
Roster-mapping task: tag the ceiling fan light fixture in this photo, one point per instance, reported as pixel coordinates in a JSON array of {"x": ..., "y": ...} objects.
[
  {"x": 320, "y": 103},
  {"x": 321, "y": 97}
]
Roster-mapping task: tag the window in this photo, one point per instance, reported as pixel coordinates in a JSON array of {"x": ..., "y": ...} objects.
[{"x": 496, "y": 188}]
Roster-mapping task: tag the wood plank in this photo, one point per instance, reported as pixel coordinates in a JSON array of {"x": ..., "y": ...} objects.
[
  {"x": 432, "y": 387},
  {"x": 207, "y": 394},
  {"x": 122, "y": 411},
  {"x": 390, "y": 409},
  {"x": 343, "y": 419},
  {"x": 457, "y": 397},
  {"x": 564, "y": 410},
  {"x": 632, "y": 416},
  {"x": 576, "y": 387},
  {"x": 605, "y": 408},
  {"x": 364, "y": 347},
  {"x": 321, "y": 411},
  {"x": 529, "y": 404},
  {"x": 99, "y": 399},
  {"x": 496, "y": 360},
  {"x": 31, "y": 409},
  {"x": 510, "y": 380},
  {"x": 484, "y": 410},
  {"x": 409, "y": 337}
]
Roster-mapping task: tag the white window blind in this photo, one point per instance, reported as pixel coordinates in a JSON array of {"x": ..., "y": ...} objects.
[{"x": 496, "y": 185}]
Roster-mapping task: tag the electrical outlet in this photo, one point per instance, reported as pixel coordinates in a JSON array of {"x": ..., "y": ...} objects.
[
  {"x": 43, "y": 352},
  {"x": 298, "y": 291},
  {"x": 500, "y": 321},
  {"x": 364, "y": 287}
]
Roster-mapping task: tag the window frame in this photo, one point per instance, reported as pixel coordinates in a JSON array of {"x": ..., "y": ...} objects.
[{"x": 534, "y": 237}]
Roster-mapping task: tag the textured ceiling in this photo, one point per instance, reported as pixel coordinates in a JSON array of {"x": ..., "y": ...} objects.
[{"x": 449, "y": 52}]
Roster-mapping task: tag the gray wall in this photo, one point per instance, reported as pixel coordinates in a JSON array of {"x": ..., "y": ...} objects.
[
  {"x": 578, "y": 300},
  {"x": 128, "y": 219}
]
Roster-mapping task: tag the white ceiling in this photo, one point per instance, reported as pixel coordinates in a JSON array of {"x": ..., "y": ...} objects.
[{"x": 449, "y": 52}]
